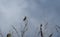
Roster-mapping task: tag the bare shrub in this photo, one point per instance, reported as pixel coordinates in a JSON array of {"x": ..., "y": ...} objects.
[
  {"x": 25, "y": 27},
  {"x": 16, "y": 30}
]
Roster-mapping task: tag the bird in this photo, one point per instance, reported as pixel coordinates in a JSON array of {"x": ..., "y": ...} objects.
[{"x": 24, "y": 18}]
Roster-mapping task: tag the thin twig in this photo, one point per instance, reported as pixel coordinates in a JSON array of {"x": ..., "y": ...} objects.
[
  {"x": 16, "y": 30},
  {"x": 50, "y": 35}
]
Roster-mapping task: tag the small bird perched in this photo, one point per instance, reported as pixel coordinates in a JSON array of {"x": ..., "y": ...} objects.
[{"x": 24, "y": 18}]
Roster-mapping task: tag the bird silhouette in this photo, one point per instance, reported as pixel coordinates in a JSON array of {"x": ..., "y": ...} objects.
[{"x": 24, "y": 18}]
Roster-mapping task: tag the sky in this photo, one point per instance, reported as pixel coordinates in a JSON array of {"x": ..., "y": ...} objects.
[{"x": 38, "y": 12}]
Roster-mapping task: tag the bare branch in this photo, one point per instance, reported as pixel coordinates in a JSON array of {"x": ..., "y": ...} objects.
[
  {"x": 41, "y": 31},
  {"x": 50, "y": 35},
  {"x": 57, "y": 30},
  {"x": 16, "y": 30},
  {"x": 58, "y": 26},
  {"x": 25, "y": 27},
  {"x": 46, "y": 25}
]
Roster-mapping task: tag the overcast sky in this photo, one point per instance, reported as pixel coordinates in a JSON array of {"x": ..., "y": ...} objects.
[{"x": 38, "y": 11}]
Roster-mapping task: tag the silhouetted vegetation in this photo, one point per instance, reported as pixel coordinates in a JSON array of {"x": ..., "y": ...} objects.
[
  {"x": 16, "y": 30},
  {"x": 50, "y": 35},
  {"x": 25, "y": 28}
]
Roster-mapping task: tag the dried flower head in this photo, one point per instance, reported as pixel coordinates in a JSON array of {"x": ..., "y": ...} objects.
[{"x": 8, "y": 35}]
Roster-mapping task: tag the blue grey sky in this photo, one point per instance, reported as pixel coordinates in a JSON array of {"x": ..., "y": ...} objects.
[{"x": 38, "y": 11}]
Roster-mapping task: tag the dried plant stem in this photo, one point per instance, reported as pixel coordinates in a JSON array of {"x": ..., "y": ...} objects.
[
  {"x": 16, "y": 30},
  {"x": 50, "y": 35},
  {"x": 25, "y": 27},
  {"x": 41, "y": 32},
  {"x": 1, "y": 34}
]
